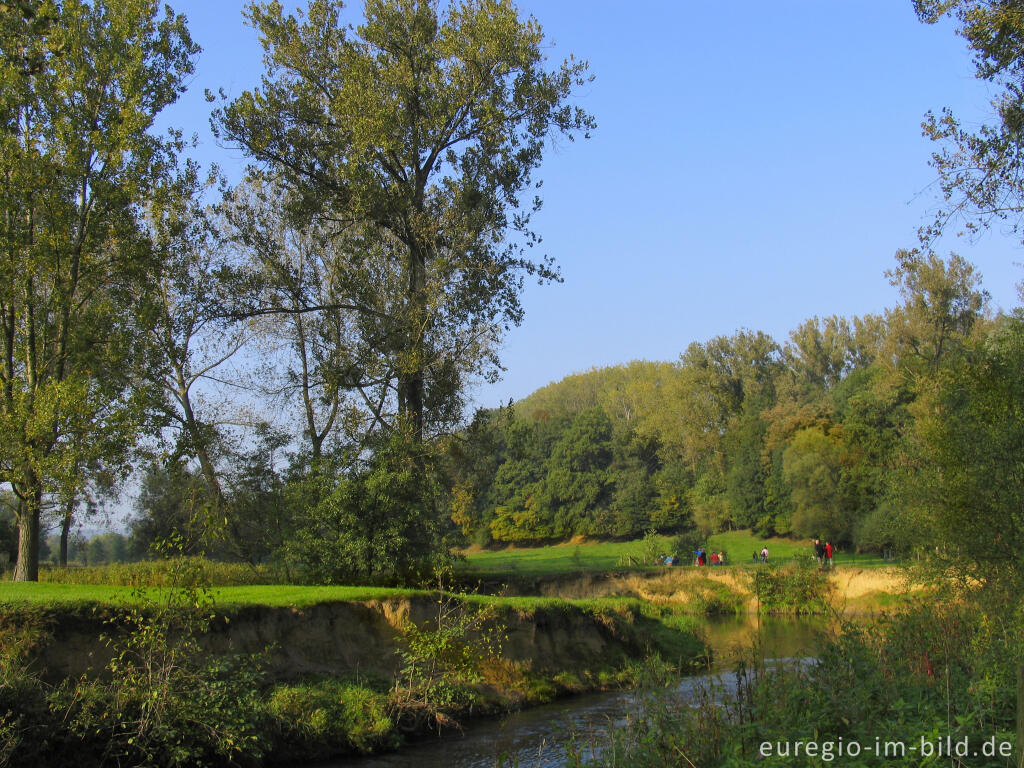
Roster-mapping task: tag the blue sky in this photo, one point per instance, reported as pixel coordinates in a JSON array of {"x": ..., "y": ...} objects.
[{"x": 754, "y": 165}]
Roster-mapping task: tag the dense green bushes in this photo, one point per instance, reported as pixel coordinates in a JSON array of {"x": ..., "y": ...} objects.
[
  {"x": 876, "y": 695},
  {"x": 799, "y": 587}
]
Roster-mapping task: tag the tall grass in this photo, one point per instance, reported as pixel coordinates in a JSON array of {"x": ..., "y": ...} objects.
[{"x": 162, "y": 573}]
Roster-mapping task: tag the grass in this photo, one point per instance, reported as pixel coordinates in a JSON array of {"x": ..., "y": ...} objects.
[
  {"x": 614, "y": 556},
  {"x": 44, "y": 593},
  {"x": 559, "y": 558},
  {"x": 274, "y": 596}
]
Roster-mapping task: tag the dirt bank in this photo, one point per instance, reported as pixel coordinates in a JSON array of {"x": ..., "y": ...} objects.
[
  {"x": 345, "y": 639},
  {"x": 723, "y": 589}
]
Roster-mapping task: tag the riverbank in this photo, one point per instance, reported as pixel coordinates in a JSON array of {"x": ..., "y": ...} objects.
[
  {"x": 343, "y": 676},
  {"x": 703, "y": 591}
]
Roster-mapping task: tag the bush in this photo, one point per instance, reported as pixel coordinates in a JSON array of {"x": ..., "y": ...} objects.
[
  {"x": 26, "y": 731},
  {"x": 380, "y": 524},
  {"x": 798, "y": 588},
  {"x": 317, "y": 720},
  {"x": 932, "y": 672},
  {"x": 164, "y": 701}
]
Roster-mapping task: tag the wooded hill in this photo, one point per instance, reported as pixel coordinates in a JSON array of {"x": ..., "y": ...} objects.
[{"x": 811, "y": 436}]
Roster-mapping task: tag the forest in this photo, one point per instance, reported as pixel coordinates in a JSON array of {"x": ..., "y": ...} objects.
[{"x": 818, "y": 436}]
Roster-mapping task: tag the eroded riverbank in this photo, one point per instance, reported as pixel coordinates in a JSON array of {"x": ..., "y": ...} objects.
[{"x": 542, "y": 737}]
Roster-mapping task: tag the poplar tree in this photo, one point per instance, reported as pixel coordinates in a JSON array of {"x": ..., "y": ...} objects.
[
  {"x": 422, "y": 128},
  {"x": 81, "y": 83}
]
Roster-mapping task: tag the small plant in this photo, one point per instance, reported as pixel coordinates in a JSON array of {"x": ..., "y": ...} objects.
[
  {"x": 799, "y": 588},
  {"x": 23, "y": 711},
  {"x": 164, "y": 701},
  {"x": 651, "y": 547},
  {"x": 441, "y": 661}
]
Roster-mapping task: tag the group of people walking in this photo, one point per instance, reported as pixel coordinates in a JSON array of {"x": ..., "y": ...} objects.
[
  {"x": 703, "y": 558},
  {"x": 823, "y": 552},
  {"x": 700, "y": 558}
]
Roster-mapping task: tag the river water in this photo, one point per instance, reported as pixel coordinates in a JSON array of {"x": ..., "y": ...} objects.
[{"x": 537, "y": 737}]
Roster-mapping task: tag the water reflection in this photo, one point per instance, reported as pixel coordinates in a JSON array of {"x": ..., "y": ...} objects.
[{"x": 536, "y": 737}]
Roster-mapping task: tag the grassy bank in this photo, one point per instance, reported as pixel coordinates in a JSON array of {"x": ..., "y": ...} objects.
[
  {"x": 584, "y": 557},
  {"x": 183, "y": 676}
]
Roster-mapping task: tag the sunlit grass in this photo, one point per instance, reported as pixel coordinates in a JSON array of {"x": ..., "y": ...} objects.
[{"x": 739, "y": 547}]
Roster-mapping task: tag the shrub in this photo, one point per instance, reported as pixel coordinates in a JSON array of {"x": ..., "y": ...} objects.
[
  {"x": 319, "y": 719},
  {"x": 166, "y": 573},
  {"x": 164, "y": 701},
  {"x": 798, "y": 588}
]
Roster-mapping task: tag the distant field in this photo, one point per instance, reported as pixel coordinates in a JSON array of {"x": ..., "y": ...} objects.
[{"x": 738, "y": 546}]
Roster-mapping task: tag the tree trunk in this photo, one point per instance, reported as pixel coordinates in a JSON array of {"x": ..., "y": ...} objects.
[
  {"x": 411, "y": 382},
  {"x": 27, "y": 567},
  {"x": 65, "y": 529}
]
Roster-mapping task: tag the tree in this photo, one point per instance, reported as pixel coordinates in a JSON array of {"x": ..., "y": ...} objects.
[
  {"x": 79, "y": 95},
  {"x": 424, "y": 131},
  {"x": 325, "y": 364},
  {"x": 980, "y": 169},
  {"x": 966, "y": 486},
  {"x": 812, "y": 466},
  {"x": 191, "y": 342},
  {"x": 942, "y": 302}
]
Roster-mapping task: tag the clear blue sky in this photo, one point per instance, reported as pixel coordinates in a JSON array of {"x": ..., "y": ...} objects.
[{"x": 755, "y": 164}]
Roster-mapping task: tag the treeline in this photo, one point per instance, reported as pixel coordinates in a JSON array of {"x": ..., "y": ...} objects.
[
  {"x": 816, "y": 436},
  {"x": 333, "y": 305}
]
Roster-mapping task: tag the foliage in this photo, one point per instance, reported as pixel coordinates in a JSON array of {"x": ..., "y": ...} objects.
[
  {"x": 931, "y": 672},
  {"x": 165, "y": 701},
  {"x": 437, "y": 120},
  {"x": 317, "y": 720},
  {"x": 967, "y": 489},
  {"x": 23, "y": 707},
  {"x": 801, "y": 587},
  {"x": 380, "y": 523},
  {"x": 78, "y": 162},
  {"x": 979, "y": 165},
  {"x": 161, "y": 700},
  {"x": 163, "y": 573},
  {"x": 441, "y": 660}
]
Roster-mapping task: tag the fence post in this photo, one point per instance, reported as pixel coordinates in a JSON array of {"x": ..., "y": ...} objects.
[{"x": 1020, "y": 717}]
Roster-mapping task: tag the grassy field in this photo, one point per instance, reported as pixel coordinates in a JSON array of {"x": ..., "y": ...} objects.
[
  {"x": 273, "y": 595},
  {"x": 738, "y": 546}
]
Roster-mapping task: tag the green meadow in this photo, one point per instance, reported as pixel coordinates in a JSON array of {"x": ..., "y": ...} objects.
[{"x": 739, "y": 547}]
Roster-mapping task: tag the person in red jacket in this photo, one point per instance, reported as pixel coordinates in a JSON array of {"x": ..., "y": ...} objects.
[{"x": 828, "y": 553}]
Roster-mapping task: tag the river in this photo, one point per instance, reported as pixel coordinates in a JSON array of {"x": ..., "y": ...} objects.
[{"x": 536, "y": 737}]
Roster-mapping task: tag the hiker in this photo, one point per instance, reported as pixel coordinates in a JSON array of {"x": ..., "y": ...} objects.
[
  {"x": 828, "y": 553},
  {"x": 819, "y": 551},
  {"x": 764, "y": 554},
  {"x": 714, "y": 558}
]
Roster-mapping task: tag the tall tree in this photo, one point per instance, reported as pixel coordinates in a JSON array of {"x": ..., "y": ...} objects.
[
  {"x": 942, "y": 302},
  {"x": 966, "y": 484},
  {"x": 424, "y": 129},
  {"x": 192, "y": 342},
  {"x": 79, "y": 95},
  {"x": 327, "y": 367},
  {"x": 981, "y": 169}
]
